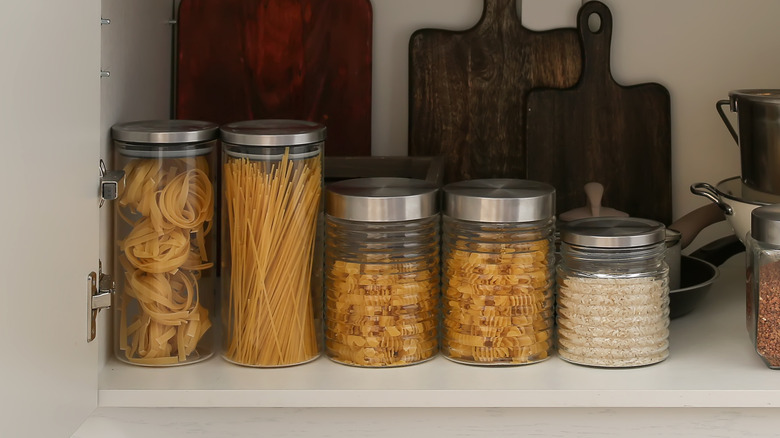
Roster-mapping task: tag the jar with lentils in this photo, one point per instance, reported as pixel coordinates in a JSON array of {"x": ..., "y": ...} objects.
[
  {"x": 763, "y": 283},
  {"x": 497, "y": 263},
  {"x": 613, "y": 292},
  {"x": 381, "y": 271}
]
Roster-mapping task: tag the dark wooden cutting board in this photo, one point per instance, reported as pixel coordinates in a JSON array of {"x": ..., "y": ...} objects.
[
  {"x": 602, "y": 131},
  {"x": 258, "y": 59},
  {"x": 467, "y": 90}
]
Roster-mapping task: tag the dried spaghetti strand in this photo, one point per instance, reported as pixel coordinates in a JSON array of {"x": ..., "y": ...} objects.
[{"x": 271, "y": 211}]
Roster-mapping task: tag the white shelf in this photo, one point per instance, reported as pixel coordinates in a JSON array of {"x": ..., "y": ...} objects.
[{"x": 712, "y": 364}]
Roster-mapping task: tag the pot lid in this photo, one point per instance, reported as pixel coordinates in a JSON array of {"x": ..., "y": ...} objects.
[{"x": 765, "y": 95}]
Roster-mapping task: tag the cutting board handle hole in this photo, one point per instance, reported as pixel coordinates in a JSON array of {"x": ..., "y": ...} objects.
[{"x": 594, "y": 22}]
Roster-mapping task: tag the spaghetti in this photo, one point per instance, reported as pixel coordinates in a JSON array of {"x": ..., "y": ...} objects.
[{"x": 271, "y": 212}]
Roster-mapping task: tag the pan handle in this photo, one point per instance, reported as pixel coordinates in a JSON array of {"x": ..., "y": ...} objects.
[
  {"x": 711, "y": 193},
  {"x": 719, "y": 106}
]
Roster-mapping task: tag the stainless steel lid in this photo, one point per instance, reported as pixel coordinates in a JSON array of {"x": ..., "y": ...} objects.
[
  {"x": 164, "y": 132},
  {"x": 381, "y": 199},
  {"x": 273, "y": 133},
  {"x": 499, "y": 200},
  {"x": 765, "y": 224},
  {"x": 613, "y": 232}
]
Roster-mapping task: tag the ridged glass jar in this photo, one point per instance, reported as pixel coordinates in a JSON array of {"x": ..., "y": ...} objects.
[
  {"x": 381, "y": 272},
  {"x": 613, "y": 292},
  {"x": 497, "y": 262},
  {"x": 166, "y": 242},
  {"x": 763, "y": 283},
  {"x": 271, "y": 207}
]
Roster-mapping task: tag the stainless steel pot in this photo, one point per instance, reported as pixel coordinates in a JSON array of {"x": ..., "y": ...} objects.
[{"x": 758, "y": 117}]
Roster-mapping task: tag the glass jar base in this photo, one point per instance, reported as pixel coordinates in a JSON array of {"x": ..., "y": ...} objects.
[
  {"x": 165, "y": 362},
  {"x": 270, "y": 366}
]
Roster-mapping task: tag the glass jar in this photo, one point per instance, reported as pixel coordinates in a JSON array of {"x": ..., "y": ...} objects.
[
  {"x": 166, "y": 242},
  {"x": 613, "y": 292},
  {"x": 497, "y": 266},
  {"x": 763, "y": 283},
  {"x": 381, "y": 271},
  {"x": 271, "y": 211}
]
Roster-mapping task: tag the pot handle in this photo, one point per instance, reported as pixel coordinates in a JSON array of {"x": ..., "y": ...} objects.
[
  {"x": 719, "y": 106},
  {"x": 711, "y": 193}
]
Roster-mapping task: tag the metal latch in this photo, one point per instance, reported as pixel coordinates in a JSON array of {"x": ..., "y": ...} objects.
[
  {"x": 100, "y": 293},
  {"x": 112, "y": 182}
]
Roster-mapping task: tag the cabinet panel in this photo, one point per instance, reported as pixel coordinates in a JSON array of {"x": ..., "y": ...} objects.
[{"x": 49, "y": 114}]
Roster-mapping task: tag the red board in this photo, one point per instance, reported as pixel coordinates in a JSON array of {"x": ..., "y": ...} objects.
[{"x": 261, "y": 59}]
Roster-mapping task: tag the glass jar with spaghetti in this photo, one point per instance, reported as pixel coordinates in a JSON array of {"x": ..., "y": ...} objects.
[
  {"x": 613, "y": 292},
  {"x": 497, "y": 266},
  {"x": 271, "y": 242},
  {"x": 166, "y": 242},
  {"x": 381, "y": 271}
]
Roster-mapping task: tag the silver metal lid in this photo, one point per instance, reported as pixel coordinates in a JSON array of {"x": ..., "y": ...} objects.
[
  {"x": 499, "y": 200},
  {"x": 757, "y": 95},
  {"x": 613, "y": 232},
  {"x": 381, "y": 199},
  {"x": 164, "y": 132},
  {"x": 273, "y": 133},
  {"x": 765, "y": 224}
]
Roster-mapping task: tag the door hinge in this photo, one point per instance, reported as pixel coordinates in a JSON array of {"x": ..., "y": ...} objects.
[{"x": 100, "y": 294}]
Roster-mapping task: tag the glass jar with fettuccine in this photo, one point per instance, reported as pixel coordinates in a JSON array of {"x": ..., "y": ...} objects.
[
  {"x": 272, "y": 242},
  {"x": 165, "y": 242}
]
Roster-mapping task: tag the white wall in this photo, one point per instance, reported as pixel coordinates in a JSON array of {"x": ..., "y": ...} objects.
[{"x": 698, "y": 49}]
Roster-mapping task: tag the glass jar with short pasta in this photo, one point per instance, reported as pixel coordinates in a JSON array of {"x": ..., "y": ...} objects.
[
  {"x": 497, "y": 265},
  {"x": 271, "y": 303},
  {"x": 381, "y": 272},
  {"x": 165, "y": 242},
  {"x": 613, "y": 292}
]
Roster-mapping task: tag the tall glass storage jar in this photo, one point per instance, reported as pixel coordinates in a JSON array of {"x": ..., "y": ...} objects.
[
  {"x": 497, "y": 262},
  {"x": 763, "y": 283},
  {"x": 271, "y": 211},
  {"x": 166, "y": 242},
  {"x": 381, "y": 271},
  {"x": 613, "y": 292}
]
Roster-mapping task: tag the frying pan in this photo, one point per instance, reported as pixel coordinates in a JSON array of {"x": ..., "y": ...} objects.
[{"x": 698, "y": 272}]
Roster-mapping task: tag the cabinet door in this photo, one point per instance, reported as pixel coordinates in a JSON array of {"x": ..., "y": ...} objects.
[{"x": 49, "y": 120}]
